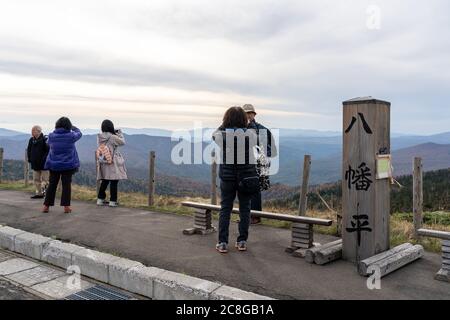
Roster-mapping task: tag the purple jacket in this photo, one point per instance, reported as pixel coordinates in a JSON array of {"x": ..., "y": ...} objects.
[{"x": 63, "y": 155}]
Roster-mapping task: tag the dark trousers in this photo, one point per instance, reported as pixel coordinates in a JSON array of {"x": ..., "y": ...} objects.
[
  {"x": 113, "y": 189},
  {"x": 229, "y": 189},
  {"x": 66, "y": 179},
  {"x": 257, "y": 201}
]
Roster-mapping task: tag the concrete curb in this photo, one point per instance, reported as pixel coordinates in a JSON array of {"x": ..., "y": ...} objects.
[{"x": 154, "y": 283}]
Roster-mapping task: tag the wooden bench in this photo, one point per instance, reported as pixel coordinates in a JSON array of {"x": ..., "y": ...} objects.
[
  {"x": 444, "y": 273},
  {"x": 302, "y": 227}
]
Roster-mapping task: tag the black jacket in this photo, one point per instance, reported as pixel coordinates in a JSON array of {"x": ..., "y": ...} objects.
[
  {"x": 37, "y": 152},
  {"x": 235, "y": 169},
  {"x": 270, "y": 149}
]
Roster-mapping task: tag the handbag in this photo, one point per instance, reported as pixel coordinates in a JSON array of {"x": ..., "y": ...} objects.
[{"x": 249, "y": 184}]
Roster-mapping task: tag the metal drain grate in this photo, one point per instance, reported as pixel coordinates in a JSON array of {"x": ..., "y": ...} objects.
[{"x": 99, "y": 293}]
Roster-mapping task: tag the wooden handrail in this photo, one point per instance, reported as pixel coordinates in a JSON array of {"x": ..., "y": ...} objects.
[
  {"x": 434, "y": 234},
  {"x": 266, "y": 215}
]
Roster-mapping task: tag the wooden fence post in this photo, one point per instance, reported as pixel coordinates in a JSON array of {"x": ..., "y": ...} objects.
[
  {"x": 302, "y": 235},
  {"x": 417, "y": 195},
  {"x": 1, "y": 165},
  {"x": 214, "y": 179},
  {"x": 151, "y": 179},
  {"x": 26, "y": 169},
  {"x": 304, "y": 191}
]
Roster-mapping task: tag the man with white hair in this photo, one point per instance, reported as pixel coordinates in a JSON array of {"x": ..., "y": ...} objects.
[{"x": 37, "y": 155}]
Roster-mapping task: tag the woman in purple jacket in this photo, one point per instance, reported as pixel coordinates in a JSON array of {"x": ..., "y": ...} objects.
[{"x": 62, "y": 162}]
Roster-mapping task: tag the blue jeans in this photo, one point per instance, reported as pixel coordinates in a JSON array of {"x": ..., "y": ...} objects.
[{"x": 229, "y": 189}]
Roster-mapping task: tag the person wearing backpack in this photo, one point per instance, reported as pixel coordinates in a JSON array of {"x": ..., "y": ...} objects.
[
  {"x": 111, "y": 163},
  {"x": 63, "y": 162},
  {"x": 238, "y": 176},
  {"x": 37, "y": 152}
]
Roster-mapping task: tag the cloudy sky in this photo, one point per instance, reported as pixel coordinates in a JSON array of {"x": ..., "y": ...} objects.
[{"x": 167, "y": 63}]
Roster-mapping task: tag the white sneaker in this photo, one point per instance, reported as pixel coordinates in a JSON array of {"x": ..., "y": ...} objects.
[
  {"x": 100, "y": 202},
  {"x": 113, "y": 204}
]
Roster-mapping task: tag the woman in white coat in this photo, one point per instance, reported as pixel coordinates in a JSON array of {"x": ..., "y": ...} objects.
[{"x": 111, "y": 162}]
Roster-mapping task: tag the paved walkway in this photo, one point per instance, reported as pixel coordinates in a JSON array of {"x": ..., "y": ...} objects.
[
  {"x": 22, "y": 278},
  {"x": 156, "y": 239}
]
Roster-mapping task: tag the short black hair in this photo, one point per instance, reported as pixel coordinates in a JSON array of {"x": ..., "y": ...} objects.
[
  {"x": 63, "y": 123},
  {"x": 108, "y": 126}
]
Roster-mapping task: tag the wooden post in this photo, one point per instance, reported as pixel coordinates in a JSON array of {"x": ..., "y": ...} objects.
[
  {"x": 302, "y": 235},
  {"x": 365, "y": 199},
  {"x": 338, "y": 224},
  {"x": 214, "y": 179},
  {"x": 1, "y": 165},
  {"x": 304, "y": 191},
  {"x": 26, "y": 169},
  {"x": 417, "y": 195},
  {"x": 151, "y": 179}
]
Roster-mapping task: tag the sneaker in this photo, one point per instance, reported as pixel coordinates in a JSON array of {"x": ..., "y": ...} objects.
[
  {"x": 67, "y": 210},
  {"x": 45, "y": 209},
  {"x": 113, "y": 204},
  {"x": 37, "y": 196},
  {"x": 241, "y": 246},
  {"x": 100, "y": 202},
  {"x": 222, "y": 247}
]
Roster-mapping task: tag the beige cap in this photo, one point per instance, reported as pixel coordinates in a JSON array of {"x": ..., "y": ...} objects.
[{"x": 249, "y": 108}]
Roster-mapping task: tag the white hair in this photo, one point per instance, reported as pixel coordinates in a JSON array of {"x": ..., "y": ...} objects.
[{"x": 37, "y": 128}]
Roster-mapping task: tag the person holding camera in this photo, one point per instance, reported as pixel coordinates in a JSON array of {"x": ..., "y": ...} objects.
[
  {"x": 269, "y": 149},
  {"x": 62, "y": 162},
  {"x": 238, "y": 176},
  {"x": 111, "y": 163}
]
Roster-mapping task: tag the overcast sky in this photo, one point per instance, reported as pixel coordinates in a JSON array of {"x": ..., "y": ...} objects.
[{"x": 166, "y": 64}]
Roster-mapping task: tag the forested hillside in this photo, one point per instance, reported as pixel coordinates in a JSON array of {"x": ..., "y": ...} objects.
[
  {"x": 436, "y": 188},
  {"x": 137, "y": 182},
  {"x": 325, "y": 152},
  {"x": 436, "y": 194}
]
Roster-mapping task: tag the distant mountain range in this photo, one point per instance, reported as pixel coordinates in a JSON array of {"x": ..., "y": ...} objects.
[
  {"x": 323, "y": 170},
  {"x": 133, "y": 131},
  {"x": 9, "y": 133},
  {"x": 294, "y": 144},
  {"x": 168, "y": 133}
]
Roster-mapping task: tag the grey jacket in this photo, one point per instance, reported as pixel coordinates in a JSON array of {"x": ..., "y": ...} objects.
[{"x": 116, "y": 170}]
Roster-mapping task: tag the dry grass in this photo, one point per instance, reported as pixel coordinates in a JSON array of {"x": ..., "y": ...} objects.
[{"x": 401, "y": 227}]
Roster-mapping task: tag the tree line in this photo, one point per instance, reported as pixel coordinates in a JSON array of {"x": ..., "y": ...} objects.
[
  {"x": 436, "y": 186},
  {"x": 137, "y": 182}
]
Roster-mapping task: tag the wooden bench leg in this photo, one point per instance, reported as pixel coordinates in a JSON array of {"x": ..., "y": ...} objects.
[
  {"x": 444, "y": 273},
  {"x": 302, "y": 239},
  {"x": 202, "y": 223}
]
